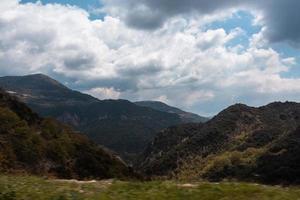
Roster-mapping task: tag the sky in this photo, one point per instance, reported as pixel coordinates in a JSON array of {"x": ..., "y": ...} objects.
[{"x": 199, "y": 55}]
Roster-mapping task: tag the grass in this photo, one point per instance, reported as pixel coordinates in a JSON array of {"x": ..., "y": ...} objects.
[{"x": 35, "y": 188}]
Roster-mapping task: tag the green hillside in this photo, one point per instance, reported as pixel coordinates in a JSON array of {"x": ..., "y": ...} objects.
[
  {"x": 34, "y": 145},
  {"x": 244, "y": 143}
]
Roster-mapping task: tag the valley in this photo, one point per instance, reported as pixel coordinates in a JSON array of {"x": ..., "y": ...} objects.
[
  {"x": 241, "y": 151},
  {"x": 119, "y": 125}
]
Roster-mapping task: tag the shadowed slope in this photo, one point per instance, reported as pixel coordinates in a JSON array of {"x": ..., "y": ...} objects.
[{"x": 40, "y": 146}]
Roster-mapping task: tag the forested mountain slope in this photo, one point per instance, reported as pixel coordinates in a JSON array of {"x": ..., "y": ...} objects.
[
  {"x": 241, "y": 142},
  {"x": 34, "y": 145}
]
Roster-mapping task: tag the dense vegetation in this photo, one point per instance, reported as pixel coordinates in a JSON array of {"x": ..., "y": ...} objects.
[
  {"x": 245, "y": 143},
  {"x": 30, "y": 144},
  {"x": 117, "y": 124},
  {"x": 33, "y": 188}
]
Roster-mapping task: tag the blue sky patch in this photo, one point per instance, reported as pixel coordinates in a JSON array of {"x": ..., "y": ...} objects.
[{"x": 88, "y": 5}]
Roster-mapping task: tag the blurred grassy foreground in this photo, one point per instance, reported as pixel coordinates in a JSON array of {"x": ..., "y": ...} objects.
[{"x": 34, "y": 188}]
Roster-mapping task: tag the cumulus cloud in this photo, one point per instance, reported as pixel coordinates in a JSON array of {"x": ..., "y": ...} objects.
[
  {"x": 282, "y": 21},
  {"x": 281, "y": 18},
  {"x": 151, "y": 14},
  {"x": 180, "y": 62},
  {"x": 8, "y": 4},
  {"x": 104, "y": 93}
]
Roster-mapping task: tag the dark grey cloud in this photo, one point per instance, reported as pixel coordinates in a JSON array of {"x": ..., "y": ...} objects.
[
  {"x": 151, "y": 14},
  {"x": 178, "y": 6},
  {"x": 145, "y": 19},
  {"x": 152, "y": 67},
  {"x": 79, "y": 62},
  {"x": 281, "y": 17}
]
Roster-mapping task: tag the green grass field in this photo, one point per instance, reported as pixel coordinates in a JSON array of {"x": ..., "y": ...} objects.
[{"x": 34, "y": 188}]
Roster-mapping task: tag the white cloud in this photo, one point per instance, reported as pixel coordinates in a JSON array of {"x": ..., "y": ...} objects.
[
  {"x": 104, "y": 93},
  {"x": 181, "y": 62},
  {"x": 289, "y": 61},
  {"x": 8, "y": 4},
  {"x": 263, "y": 83},
  {"x": 199, "y": 96}
]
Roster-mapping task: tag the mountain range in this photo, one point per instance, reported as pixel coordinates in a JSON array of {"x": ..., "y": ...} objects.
[
  {"x": 120, "y": 125},
  {"x": 256, "y": 144}
]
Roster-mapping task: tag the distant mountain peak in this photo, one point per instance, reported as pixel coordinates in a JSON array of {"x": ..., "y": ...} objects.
[
  {"x": 118, "y": 124},
  {"x": 32, "y": 81},
  {"x": 238, "y": 107},
  {"x": 38, "y": 75},
  {"x": 36, "y": 87},
  {"x": 186, "y": 117}
]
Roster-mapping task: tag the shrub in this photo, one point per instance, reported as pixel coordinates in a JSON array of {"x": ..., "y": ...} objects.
[{"x": 234, "y": 164}]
